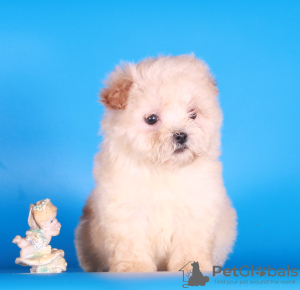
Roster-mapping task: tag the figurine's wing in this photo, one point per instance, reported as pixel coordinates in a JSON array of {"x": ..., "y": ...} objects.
[{"x": 32, "y": 224}]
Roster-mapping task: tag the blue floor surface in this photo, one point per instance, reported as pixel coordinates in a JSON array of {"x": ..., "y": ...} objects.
[{"x": 160, "y": 280}]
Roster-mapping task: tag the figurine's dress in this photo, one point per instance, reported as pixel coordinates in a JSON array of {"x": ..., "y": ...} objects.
[{"x": 44, "y": 259}]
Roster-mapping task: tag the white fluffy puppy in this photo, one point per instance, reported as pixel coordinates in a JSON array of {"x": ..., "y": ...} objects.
[{"x": 159, "y": 200}]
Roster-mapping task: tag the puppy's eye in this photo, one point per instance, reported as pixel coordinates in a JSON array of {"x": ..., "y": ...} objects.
[
  {"x": 151, "y": 119},
  {"x": 193, "y": 115},
  {"x": 51, "y": 221}
]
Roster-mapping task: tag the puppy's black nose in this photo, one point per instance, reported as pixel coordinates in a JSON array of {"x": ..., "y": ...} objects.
[{"x": 180, "y": 137}]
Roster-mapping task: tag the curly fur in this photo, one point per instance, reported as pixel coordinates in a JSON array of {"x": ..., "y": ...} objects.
[{"x": 155, "y": 208}]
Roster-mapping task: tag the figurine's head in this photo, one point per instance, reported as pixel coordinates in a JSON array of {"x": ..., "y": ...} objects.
[{"x": 42, "y": 215}]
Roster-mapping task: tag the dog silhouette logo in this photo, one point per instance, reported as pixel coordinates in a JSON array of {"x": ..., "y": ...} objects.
[{"x": 195, "y": 276}]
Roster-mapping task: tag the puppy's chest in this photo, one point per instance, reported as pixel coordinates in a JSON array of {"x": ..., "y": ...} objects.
[
  {"x": 165, "y": 201},
  {"x": 157, "y": 204}
]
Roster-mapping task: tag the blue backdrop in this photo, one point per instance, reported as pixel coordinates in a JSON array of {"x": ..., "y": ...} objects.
[{"x": 53, "y": 57}]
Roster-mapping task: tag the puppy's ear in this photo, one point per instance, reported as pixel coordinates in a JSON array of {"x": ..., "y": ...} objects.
[
  {"x": 213, "y": 83},
  {"x": 204, "y": 68},
  {"x": 115, "y": 95}
]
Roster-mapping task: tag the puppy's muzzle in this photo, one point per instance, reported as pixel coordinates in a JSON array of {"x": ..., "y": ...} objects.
[{"x": 180, "y": 138}]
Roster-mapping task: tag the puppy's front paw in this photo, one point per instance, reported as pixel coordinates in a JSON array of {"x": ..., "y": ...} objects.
[{"x": 132, "y": 267}]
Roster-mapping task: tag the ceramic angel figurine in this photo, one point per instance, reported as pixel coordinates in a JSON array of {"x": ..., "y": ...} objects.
[{"x": 35, "y": 249}]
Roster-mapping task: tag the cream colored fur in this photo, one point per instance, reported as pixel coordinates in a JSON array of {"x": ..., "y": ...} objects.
[{"x": 152, "y": 208}]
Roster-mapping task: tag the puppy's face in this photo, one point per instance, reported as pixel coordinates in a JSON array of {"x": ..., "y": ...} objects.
[{"x": 163, "y": 110}]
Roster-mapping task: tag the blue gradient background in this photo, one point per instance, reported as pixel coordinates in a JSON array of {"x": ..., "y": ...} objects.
[{"x": 53, "y": 57}]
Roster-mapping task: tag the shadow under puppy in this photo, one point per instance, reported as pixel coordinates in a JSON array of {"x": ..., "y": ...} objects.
[{"x": 159, "y": 200}]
